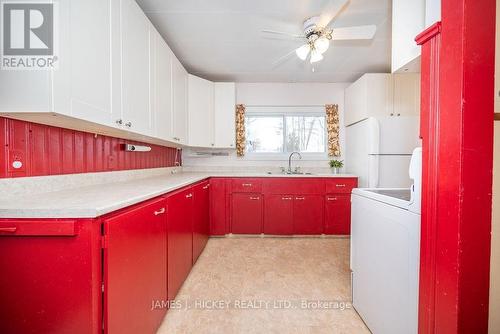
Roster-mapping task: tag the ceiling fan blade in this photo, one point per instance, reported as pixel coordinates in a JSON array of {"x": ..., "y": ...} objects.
[
  {"x": 288, "y": 35},
  {"x": 281, "y": 59},
  {"x": 331, "y": 11},
  {"x": 358, "y": 32}
]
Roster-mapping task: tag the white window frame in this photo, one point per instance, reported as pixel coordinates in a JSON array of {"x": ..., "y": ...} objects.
[{"x": 283, "y": 111}]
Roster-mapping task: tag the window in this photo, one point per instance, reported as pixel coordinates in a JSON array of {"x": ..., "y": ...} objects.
[{"x": 285, "y": 131}]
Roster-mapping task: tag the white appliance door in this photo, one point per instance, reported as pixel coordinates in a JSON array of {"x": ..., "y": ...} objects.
[
  {"x": 362, "y": 139},
  {"x": 398, "y": 135},
  {"x": 392, "y": 141}
]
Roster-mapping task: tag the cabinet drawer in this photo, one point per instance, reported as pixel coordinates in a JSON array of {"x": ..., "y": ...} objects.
[
  {"x": 246, "y": 185},
  {"x": 293, "y": 185},
  {"x": 341, "y": 185},
  {"x": 38, "y": 228}
]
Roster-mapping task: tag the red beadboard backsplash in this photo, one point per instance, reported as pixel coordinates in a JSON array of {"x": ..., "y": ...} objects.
[{"x": 48, "y": 150}]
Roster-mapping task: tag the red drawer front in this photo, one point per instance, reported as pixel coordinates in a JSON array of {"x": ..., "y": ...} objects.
[
  {"x": 341, "y": 185},
  {"x": 293, "y": 185},
  {"x": 38, "y": 228},
  {"x": 246, "y": 185}
]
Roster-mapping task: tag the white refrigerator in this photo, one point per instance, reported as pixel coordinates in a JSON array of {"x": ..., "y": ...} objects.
[{"x": 379, "y": 150}]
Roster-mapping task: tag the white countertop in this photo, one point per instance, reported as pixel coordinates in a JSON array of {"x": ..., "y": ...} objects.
[{"x": 96, "y": 200}]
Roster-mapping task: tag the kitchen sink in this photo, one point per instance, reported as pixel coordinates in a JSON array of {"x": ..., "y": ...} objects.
[{"x": 291, "y": 174}]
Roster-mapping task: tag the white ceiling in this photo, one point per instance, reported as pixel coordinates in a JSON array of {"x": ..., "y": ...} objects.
[{"x": 221, "y": 40}]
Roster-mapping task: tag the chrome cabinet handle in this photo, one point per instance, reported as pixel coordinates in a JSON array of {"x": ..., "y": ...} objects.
[
  {"x": 119, "y": 121},
  {"x": 286, "y": 198},
  {"x": 331, "y": 199},
  {"x": 300, "y": 198},
  {"x": 207, "y": 186},
  {"x": 8, "y": 229},
  {"x": 254, "y": 198},
  {"x": 340, "y": 185},
  {"x": 189, "y": 195},
  {"x": 128, "y": 124},
  {"x": 246, "y": 184},
  {"x": 159, "y": 212}
]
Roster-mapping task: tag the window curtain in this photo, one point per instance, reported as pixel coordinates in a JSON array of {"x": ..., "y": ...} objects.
[
  {"x": 333, "y": 128},
  {"x": 240, "y": 130}
]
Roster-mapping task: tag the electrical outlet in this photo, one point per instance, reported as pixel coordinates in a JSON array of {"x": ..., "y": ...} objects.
[{"x": 16, "y": 161}]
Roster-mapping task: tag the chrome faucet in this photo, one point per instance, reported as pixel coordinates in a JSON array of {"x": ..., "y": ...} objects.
[{"x": 289, "y": 171}]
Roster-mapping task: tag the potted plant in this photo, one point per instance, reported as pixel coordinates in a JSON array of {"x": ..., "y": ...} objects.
[{"x": 336, "y": 165}]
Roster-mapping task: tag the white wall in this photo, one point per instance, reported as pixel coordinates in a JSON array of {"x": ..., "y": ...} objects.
[{"x": 275, "y": 94}]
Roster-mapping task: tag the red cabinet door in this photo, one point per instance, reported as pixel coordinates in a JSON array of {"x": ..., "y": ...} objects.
[
  {"x": 50, "y": 279},
  {"x": 135, "y": 272},
  {"x": 200, "y": 218},
  {"x": 278, "y": 214},
  {"x": 218, "y": 207},
  {"x": 338, "y": 214},
  {"x": 180, "y": 239},
  {"x": 246, "y": 215},
  {"x": 308, "y": 214}
]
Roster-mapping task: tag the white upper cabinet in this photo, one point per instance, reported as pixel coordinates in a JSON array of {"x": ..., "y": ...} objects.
[
  {"x": 370, "y": 95},
  {"x": 224, "y": 114},
  {"x": 85, "y": 54},
  {"x": 162, "y": 88},
  {"x": 211, "y": 113},
  {"x": 200, "y": 112},
  {"x": 381, "y": 94},
  {"x": 408, "y": 20},
  {"x": 136, "y": 40},
  {"x": 406, "y": 94},
  {"x": 179, "y": 94},
  {"x": 81, "y": 85},
  {"x": 115, "y": 76}
]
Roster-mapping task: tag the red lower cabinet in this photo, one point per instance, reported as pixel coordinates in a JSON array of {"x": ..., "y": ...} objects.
[
  {"x": 246, "y": 215},
  {"x": 218, "y": 206},
  {"x": 200, "y": 218},
  {"x": 50, "y": 279},
  {"x": 338, "y": 214},
  {"x": 180, "y": 239},
  {"x": 135, "y": 268},
  {"x": 278, "y": 214},
  {"x": 308, "y": 214}
]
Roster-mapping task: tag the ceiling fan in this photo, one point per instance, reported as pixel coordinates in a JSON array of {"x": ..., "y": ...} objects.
[{"x": 317, "y": 33}]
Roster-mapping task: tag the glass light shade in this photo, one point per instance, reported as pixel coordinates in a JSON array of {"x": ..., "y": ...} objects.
[
  {"x": 321, "y": 44},
  {"x": 315, "y": 56},
  {"x": 303, "y": 51}
]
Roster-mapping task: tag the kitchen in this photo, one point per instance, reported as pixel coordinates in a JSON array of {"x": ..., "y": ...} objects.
[{"x": 145, "y": 188}]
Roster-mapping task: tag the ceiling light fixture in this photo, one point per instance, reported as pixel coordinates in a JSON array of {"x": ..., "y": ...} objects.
[
  {"x": 315, "y": 56},
  {"x": 303, "y": 51},
  {"x": 321, "y": 44}
]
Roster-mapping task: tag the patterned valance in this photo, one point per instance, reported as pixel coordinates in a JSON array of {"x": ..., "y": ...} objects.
[
  {"x": 240, "y": 130},
  {"x": 333, "y": 129}
]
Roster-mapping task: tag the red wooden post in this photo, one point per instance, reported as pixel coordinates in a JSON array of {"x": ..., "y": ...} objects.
[
  {"x": 457, "y": 133},
  {"x": 429, "y": 122}
]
